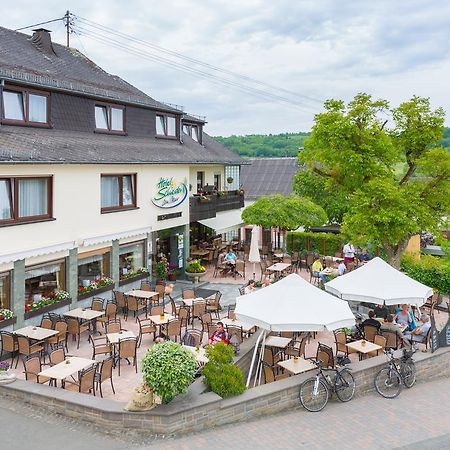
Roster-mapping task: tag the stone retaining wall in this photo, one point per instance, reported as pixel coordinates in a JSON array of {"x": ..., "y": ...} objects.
[{"x": 197, "y": 410}]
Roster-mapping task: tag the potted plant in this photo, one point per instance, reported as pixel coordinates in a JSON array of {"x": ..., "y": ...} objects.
[
  {"x": 168, "y": 369},
  {"x": 195, "y": 270},
  {"x": 161, "y": 269},
  {"x": 172, "y": 272},
  {"x": 7, "y": 318}
]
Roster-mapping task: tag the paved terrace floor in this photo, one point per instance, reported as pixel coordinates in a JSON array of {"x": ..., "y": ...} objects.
[{"x": 229, "y": 287}]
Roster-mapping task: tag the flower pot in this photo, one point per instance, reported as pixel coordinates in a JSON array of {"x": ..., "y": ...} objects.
[
  {"x": 195, "y": 277},
  {"x": 6, "y": 376},
  {"x": 172, "y": 276}
]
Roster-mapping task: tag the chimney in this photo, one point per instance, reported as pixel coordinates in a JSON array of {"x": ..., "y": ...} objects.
[{"x": 42, "y": 40}]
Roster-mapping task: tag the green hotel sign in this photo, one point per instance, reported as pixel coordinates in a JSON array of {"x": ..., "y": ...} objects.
[{"x": 170, "y": 193}]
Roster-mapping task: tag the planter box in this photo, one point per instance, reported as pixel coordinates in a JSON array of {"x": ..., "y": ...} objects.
[
  {"x": 95, "y": 292},
  {"x": 48, "y": 308},
  {"x": 8, "y": 322},
  {"x": 136, "y": 278}
]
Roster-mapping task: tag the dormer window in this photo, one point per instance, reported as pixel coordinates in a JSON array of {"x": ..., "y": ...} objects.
[
  {"x": 25, "y": 107},
  {"x": 109, "y": 119},
  {"x": 166, "y": 125},
  {"x": 193, "y": 131}
]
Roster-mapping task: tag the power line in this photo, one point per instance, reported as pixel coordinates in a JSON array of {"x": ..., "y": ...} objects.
[
  {"x": 173, "y": 64},
  {"x": 110, "y": 31},
  {"x": 38, "y": 24}
]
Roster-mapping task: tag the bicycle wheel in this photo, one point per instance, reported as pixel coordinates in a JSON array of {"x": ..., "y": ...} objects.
[
  {"x": 344, "y": 385},
  {"x": 388, "y": 382},
  {"x": 314, "y": 394},
  {"x": 408, "y": 373}
]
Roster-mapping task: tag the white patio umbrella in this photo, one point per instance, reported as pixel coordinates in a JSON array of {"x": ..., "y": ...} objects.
[
  {"x": 379, "y": 283},
  {"x": 254, "y": 256}
]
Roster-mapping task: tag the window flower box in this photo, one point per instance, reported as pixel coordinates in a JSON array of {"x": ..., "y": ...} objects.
[
  {"x": 133, "y": 275},
  {"x": 105, "y": 284},
  {"x": 7, "y": 318},
  {"x": 56, "y": 300}
]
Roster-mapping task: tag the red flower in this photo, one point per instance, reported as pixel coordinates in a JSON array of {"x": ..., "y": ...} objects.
[
  {"x": 27, "y": 308},
  {"x": 1, "y": 317}
]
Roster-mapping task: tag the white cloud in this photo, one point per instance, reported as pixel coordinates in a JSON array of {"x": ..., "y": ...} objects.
[{"x": 320, "y": 49}]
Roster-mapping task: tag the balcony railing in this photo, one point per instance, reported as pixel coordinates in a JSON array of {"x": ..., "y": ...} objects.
[{"x": 206, "y": 206}]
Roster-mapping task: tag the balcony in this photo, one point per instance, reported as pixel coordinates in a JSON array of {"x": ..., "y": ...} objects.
[{"x": 207, "y": 205}]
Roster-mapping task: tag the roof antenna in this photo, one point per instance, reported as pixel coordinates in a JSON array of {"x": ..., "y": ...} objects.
[{"x": 68, "y": 22}]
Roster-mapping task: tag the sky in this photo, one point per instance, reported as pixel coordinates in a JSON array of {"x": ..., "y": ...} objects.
[{"x": 313, "y": 50}]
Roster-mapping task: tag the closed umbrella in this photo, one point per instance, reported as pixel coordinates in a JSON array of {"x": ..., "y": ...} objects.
[{"x": 254, "y": 256}]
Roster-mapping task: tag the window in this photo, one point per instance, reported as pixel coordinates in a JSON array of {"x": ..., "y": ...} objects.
[
  {"x": 4, "y": 291},
  {"x": 218, "y": 181},
  {"x": 194, "y": 131},
  {"x": 93, "y": 267},
  {"x": 131, "y": 257},
  {"x": 43, "y": 280},
  {"x": 25, "y": 199},
  {"x": 118, "y": 192},
  {"x": 200, "y": 181},
  {"x": 109, "y": 119},
  {"x": 166, "y": 125},
  {"x": 25, "y": 107}
]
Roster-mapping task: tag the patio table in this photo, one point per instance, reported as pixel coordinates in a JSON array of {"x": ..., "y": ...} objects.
[
  {"x": 363, "y": 350},
  {"x": 246, "y": 327},
  {"x": 277, "y": 341},
  {"x": 158, "y": 320},
  {"x": 296, "y": 365},
  {"x": 200, "y": 354},
  {"x": 88, "y": 315},
  {"x": 114, "y": 338},
  {"x": 278, "y": 267},
  {"x": 36, "y": 333},
  {"x": 190, "y": 301},
  {"x": 147, "y": 296},
  {"x": 64, "y": 369},
  {"x": 200, "y": 253},
  {"x": 206, "y": 293}
]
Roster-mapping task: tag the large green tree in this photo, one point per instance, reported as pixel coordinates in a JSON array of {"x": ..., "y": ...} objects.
[
  {"x": 286, "y": 212},
  {"x": 386, "y": 164}
]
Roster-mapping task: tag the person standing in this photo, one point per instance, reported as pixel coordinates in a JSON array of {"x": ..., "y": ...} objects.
[{"x": 349, "y": 253}]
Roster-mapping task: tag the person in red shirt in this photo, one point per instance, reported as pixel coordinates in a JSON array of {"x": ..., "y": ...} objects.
[{"x": 220, "y": 335}]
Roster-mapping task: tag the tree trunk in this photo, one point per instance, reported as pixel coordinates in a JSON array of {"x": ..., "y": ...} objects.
[{"x": 395, "y": 252}]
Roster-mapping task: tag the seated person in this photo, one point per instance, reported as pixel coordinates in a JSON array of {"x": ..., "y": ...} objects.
[
  {"x": 390, "y": 325},
  {"x": 266, "y": 282},
  {"x": 372, "y": 321},
  {"x": 161, "y": 338},
  {"x": 317, "y": 270},
  {"x": 364, "y": 256},
  {"x": 381, "y": 311},
  {"x": 220, "y": 335},
  {"x": 230, "y": 257},
  {"x": 419, "y": 334},
  {"x": 403, "y": 317},
  {"x": 342, "y": 268},
  {"x": 250, "y": 287}
]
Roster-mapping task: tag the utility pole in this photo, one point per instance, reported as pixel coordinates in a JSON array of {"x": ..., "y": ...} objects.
[{"x": 68, "y": 25}]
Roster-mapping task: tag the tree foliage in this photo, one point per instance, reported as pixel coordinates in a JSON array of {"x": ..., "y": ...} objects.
[
  {"x": 358, "y": 157},
  {"x": 287, "y": 212}
]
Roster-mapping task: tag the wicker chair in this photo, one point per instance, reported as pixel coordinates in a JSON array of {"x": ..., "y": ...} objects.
[
  {"x": 206, "y": 320},
  {"x": 32, "y": 365},
  {"x": 173, "y": 329},
  {"x": 26, "y": 348},
  {"x": 198, "y": 309},
  {"x": 296, "y": 347},
  {"x": 113, "y": 326},
  {"x": 85, "y": 383},
  {"x": 184, "y": 315},
  {"x": 369, "y": 332},
  {"x": 97, "y": 304},
  {"x": 9, "y": 345},
  {"x": 74, "y": 328},
  {"x": 100, "y": 346},
  {"x": 61, "y": 338},
  {"x": 146, "y": 326},
  {"x": 110, "y": 313},
  {"x": 213, "y": 306},
  {"x": 239, "y": 268},
  {"x": 156, "y": 310},
  {"x": 103, "y": 373},
  {"x": 46, "y": 322},
  {"x": 135, "y": 305},
  {"x": 392, "y": 340},
  {"x": 188, "y": 293},
  {"x": 325, "y": 355},
  {"x": 146, "y": 286},
  {"x": 379, "y": 340},
  {"x": 120, "y": 300},
  {"x": 128, "y": 349},
  {"x": 271, "y": 375},
  {"x": 340, "y": 339},
  {"x": 57, "y": 356},
  {"x": 271, "y": 357}
]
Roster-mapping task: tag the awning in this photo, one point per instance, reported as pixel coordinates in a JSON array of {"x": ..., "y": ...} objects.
[
  {"x": 37, "y": 252},
  {"x": 224, "y": 221},
  {"x": 111, "y": 237}
]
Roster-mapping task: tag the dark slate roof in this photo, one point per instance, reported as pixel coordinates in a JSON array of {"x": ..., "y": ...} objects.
[
  {"x": 66, "y": 69},
  {"x": 31, "y": 145},
  {"x": 268, "y": 176}
]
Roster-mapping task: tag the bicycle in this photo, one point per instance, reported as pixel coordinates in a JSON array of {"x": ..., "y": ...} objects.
[
  {"x": 398, "y": 372},
  {"x": 315, "y": 391}
]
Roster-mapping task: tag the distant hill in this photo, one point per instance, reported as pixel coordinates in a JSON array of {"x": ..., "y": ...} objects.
[{"x": 273, "y": 145}]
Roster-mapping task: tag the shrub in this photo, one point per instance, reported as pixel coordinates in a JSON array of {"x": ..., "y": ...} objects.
[
  {"x": 195, "y": 266},
  {"x": 161, "y": 270},
  {"x": 429, "y": 270},
  {"x": 168, "y": 369},
  {"x": 221, "y": 376},
  {"x": 322, "y": 243}
]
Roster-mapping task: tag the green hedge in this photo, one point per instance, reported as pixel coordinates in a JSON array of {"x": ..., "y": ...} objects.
[
  {"x": 322, "y": 243},
  {"x": 429, "y": 270}
]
